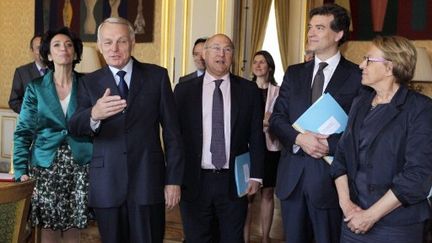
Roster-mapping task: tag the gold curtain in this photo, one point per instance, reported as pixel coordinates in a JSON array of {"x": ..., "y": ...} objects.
[
  {"x": 261, "y": 10},
  {"x": 282, "y": 19}
]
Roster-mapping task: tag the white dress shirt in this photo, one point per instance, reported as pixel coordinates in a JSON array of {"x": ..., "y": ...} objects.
[
  {"x": 207, "y": 107},
  {"x": 328, "y": 70},
  {"x": 128, "y": 69},
  {"x": 328, "y": 73}
]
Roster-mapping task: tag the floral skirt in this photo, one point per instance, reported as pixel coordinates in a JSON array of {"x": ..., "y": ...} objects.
[{"x": 59, "y": 200}]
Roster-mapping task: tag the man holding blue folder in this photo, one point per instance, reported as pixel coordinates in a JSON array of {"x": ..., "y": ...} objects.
[
  {"x": 221, "y": 118},
  {"x": 308, "y": 196}
]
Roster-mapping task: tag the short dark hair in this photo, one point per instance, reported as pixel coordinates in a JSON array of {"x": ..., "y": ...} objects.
[
  {"x": 341, "y": 21},
  {"x": 270, "y": 63},
  {"x": 46, "y": 41},
  {"x": 199, "y": 40},
  {"x": 37, "y": 35}
]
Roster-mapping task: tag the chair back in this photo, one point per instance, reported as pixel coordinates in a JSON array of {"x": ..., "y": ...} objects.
[{"x": 14, "y": 210}]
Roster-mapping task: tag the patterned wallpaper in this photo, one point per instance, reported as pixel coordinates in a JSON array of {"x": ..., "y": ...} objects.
[{"x": 17, "y": 24}]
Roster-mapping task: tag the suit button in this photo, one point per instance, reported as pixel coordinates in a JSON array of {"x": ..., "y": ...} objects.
[
  {"x": 371, "y": 188},
  {"x": 125, "y": 153}
]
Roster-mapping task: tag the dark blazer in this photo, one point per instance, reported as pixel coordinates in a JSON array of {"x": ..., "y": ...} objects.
[
  {"x": 42, "y": 127},
  {"x": 399, "y": 156},
  {"x": 23, "y": 75},
  {"x": 128, "y": 160},
  {"x": 246, "y": 130},
  {"x": 294, "y": 99},
  {"x": 188, "y": 77}
]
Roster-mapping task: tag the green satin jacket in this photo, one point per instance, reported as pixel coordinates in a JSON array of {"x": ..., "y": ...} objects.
[{"x": 42, "y": 127}]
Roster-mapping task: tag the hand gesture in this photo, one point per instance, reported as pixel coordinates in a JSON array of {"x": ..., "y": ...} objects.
[{"x": 107, "y": 105}]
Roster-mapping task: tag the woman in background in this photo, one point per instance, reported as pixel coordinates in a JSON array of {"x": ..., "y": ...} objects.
[
  {"x": 43, "y": 148},
  {"x": 263, "y": 68},
  {"x": 383, "y": 163}
]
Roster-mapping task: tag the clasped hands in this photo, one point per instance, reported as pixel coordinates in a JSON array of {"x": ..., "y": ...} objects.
[
  {"x": 107, "y": 105},
  {"x": 358, "y": 220},
  {"x": 314, "y": 144}
]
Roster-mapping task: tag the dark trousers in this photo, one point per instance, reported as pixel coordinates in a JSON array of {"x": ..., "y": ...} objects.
[
  {"x": 213, "y": 203},
  {"x": 412, "y": 233},
  {"x": 303, "y": 222},
  {"x": 132, "y": 223}
]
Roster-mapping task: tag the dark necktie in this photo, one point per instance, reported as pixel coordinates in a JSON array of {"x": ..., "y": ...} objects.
[
  {"x": 122, "y": 86},
  {"x": 318, "y": 82},
  {"x": 43, "y": 71},
  {"x": 217, "y": 146}
]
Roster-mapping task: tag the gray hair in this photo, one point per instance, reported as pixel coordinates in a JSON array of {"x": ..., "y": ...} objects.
[{"x": 116, "y": 20}]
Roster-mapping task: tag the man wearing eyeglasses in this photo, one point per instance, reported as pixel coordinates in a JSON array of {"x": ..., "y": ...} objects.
[
  {"x": 227, "y": 123},
  {"x": 309, "y": 201}
]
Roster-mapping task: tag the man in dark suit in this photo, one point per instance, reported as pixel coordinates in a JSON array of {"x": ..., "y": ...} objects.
[
  {"x": 26, "y": 73},
  {"x": 198, "y": 61},
  {"x": 308, "y": 196},
  {"x": 220, "y": 118},
  {"x": 122, "y": 107}
]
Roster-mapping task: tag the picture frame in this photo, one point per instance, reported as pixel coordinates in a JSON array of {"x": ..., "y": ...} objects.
[{"x": 83, "y": 16}]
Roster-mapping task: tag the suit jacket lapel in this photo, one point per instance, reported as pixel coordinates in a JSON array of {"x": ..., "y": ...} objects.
[
  {"x": 197, "y": 116},
  {"x": 305, "y": 85},
  {"x": 358, "y": 117},
  {"x": 35, "y": 71},
  {"x": 338, "y": 78},
  {"x": 52, "y": 99},
  {"x": 235, "y": 102},
  {"x": 136, "y": 82},
  {"x": 108, "y": 81},
  {"x": 392, "y": 111},
  {"x": 73, "y": 101}
]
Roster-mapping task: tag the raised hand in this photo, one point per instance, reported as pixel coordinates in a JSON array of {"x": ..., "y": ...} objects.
[{"x": 107, "y": 105}]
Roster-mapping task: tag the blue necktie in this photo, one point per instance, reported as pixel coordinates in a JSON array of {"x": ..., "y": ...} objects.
[
  {"x": 217, "y": 145},
  {"x": 122, "y": 86}
]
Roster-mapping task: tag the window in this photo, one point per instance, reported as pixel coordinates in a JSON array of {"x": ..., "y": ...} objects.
[{"x": 271, "y": 44}]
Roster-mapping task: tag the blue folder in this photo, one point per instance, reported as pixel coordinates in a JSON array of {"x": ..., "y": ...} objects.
[
  {"x": 325, "y": 116},
  {"x": 242, "y": 173}
]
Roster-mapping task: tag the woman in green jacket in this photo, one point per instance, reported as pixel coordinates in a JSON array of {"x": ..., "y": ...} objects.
[{"x": 43, "y": 148}]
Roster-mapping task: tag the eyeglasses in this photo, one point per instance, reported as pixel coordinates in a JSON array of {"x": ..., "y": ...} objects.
[
  {"x": 219, "y": 49},
  {"x": 374, "y": 59}
]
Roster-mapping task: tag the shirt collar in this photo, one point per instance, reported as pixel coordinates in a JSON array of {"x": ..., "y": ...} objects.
[
  {"x": 332, "y": 61},
  {"x": 127, "y": 68},
  {"x": 199, "y": 72},
  {"x": 39, "y": 67},
  {"x": 209, "y": 78}
]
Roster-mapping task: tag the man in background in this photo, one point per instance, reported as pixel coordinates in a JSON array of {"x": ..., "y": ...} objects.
[
  {"x": 26, "y": 73},
  {"x": 309, "y": 201},
  {"x": 198, "y": 60}
]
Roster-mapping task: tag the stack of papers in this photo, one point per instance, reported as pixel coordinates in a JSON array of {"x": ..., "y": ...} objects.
[{"x": 6, "y": 177}]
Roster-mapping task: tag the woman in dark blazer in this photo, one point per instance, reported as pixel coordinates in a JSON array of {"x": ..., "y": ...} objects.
[
  {"x": 383, "y": 164},
  {"x": 43, "y": 147}
]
